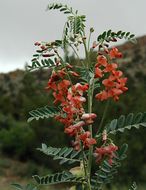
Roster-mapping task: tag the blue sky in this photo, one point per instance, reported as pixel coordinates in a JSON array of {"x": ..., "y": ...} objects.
[{"x": 23, "y": 22}]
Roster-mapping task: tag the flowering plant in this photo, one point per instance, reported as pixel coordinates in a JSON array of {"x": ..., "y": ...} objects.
[{"x": 98, "y": 80}]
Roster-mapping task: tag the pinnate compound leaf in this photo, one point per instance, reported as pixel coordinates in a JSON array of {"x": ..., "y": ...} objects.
[
  {"x": 43, "y": 112},
  {"x": 27, "y": 187},
  {"x": 44, "y": 63},
  {"x": 62, "y": 8},
  {"x": 17, "y": 186},
  {"x": 133, "y": 186},
  {"x": 57, "y": 178},
  {"x": 110, "y": 36},
  {"x": 126, "y": 122},
  {"x": 65, "y": 155}
]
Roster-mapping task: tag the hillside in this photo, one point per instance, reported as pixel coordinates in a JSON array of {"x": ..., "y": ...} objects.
[{"x": 134, "y": 58}]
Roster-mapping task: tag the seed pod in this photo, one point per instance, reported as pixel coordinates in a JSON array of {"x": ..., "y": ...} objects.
[{"x": 48, "y": 55}]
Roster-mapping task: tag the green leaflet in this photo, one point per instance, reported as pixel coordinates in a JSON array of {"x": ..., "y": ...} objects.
[
  {"x": 109, "y": 35},
  {"x": 78, "y": 24},
  {"x": 44, "y": 63},
  {"x": 74, "y": 28},
  {"x": 75, "y": 24},
  {"x": 133, "y": 186},
  {"x": 65, "y": 155},
  {"x": 86, "y": 75},
  {"x": 43, "y": 112},
  {"x": 62, "y": 8},
  {"x": 106, "y": 171},
  {"x": 57, "y": 178},
  {"x": 126, "y": 122},
  {"x": 27, "y": 187}
]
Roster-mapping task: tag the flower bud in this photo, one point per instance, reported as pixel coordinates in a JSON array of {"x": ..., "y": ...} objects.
[
  {"x": 88, "y": 116},
  {"x": 104, "y": 135},
  {"x": 91, "y": 29}
]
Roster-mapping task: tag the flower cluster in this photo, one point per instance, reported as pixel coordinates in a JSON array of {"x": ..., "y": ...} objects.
[
  {"x": 112, "y": 80},
  {"x": 106, "y": 151},
  {"x": 70, "y": 98}
]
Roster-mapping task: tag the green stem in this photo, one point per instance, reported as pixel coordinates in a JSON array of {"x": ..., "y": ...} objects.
[
  {"x": 86, "y": 53},
  {"x": 74, "y": 51},
  {"x": 104, "y": 115},
  {"x": 79, "y": 61},
  {"x": 90, "y": 97},
  {"x": 89, "y": 41},
  {"x": 86, "y": 169}
]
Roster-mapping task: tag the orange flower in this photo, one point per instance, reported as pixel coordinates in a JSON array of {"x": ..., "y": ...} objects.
[
  {"x": 64, "y": 84},
  {"x": 51, "y": 85},
  {"x": 98, "y": 73},
  {"x": 102, "y": 95},
  {"x": 114, "y": 53},
  {"x": 102, "y": 60},
  {"x": 58, "y": 97},
  {"x": 110, "y": 67},
  {"x": 108, "y": 83}
]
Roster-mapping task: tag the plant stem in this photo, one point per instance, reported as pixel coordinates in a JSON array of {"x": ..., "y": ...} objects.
[
  {"x": 86, "y": 53},
  {"x": 89, "y": 41},
  {"x": 79, "y": 61},
  {"x": 74, "y": 51},
  {"x": 90, "y": 97},
  {"x": 104, "y": 114},
  {"x": 86, "y": 169}
]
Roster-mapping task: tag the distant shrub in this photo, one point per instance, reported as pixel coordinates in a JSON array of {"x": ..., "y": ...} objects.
[{"x": 17, "y": 141}]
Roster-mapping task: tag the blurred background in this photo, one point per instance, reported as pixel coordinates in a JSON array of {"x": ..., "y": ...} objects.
[{"x": 22, "y": 24}]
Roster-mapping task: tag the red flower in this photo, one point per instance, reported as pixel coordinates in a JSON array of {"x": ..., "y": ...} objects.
[
  {"x": 71, "y": 131},
  {"x": 117, "y": 74},
  {"x": 51, "y": 85},
  {"x": 108, "y": 83},
  {"x": 79, "y": 89},
  {"x": 87, "y": 141},
  {"x": 110, "y": 67},
  {"x": 88, "y": 117},
  {"x": 101, "y": 60},
  {"x": 102, "y": 95},
  {"x": 78, "y": 99},
  {"x": 58, "y": 97},
  {"x": 114, "y": 53},
  {"x": 98, "y": 73},
  {"x": 64, "y": 84},
  {"x": 108, "y": 151},
  {"x": 61, "y": 73},
  {"x": 74, "y": 129}
]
